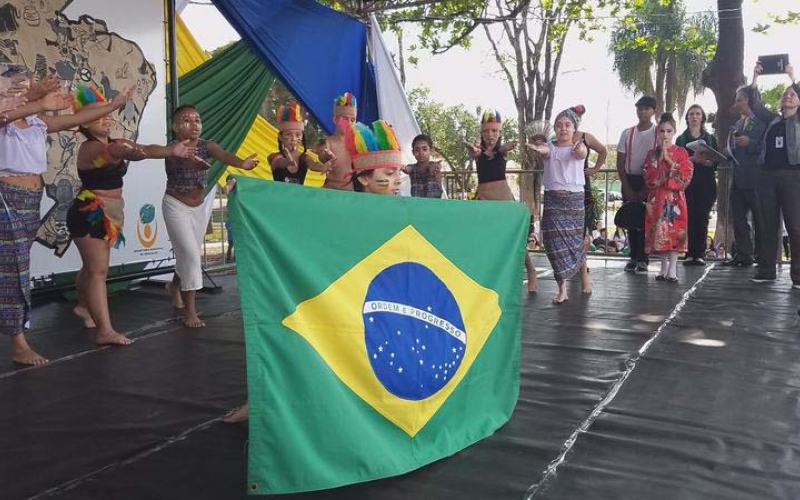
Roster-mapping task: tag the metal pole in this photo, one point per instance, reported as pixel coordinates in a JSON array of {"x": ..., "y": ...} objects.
[{"x": 172, "y": 35}]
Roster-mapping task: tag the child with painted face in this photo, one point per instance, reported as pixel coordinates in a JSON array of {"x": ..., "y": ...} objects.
[
  {"x": 490, "y": 159},
  {"x": 667, "y": 173},
  {"x": 334, "y": 150},
  {"x": 183, "y": 209},
  {"x": 291, "y": 164},
  {"x": 95, "y": 218},
  {"x": 563, "y": 219},
  {"x": 425, "y": 175},
  {"x": 376, "y": 158}
]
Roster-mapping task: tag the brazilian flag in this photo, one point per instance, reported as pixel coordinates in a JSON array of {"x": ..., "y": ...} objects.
[{"x": 382, "y": 333}]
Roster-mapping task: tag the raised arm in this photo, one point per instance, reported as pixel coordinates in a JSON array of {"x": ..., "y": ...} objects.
[
  {"x": 51, "y": 102},
  {"x": 231, "y": 159},
  {"x": 541, "y": 149},
  {"x": 87, "y": 114}
]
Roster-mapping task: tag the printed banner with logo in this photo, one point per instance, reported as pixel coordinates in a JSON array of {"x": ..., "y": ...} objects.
[{"x": 382, "y": 332}]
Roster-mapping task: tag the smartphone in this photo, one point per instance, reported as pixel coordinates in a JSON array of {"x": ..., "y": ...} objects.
[{"x": 774, "y": 64}]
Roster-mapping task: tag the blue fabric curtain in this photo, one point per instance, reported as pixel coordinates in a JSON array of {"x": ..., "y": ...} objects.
[{"x": 317, "y": 52}]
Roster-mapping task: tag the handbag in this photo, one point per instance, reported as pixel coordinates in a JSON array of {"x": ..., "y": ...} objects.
[{"x": 630, "y": 215}]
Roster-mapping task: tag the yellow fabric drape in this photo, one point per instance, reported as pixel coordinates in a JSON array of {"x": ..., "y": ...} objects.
[{"x": 262, "y": 138}]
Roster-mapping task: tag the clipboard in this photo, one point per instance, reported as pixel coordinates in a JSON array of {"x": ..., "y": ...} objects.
[{"x": 700, "y": 146}]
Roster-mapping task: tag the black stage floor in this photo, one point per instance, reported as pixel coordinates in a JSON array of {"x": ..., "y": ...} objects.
[{"x": 644, "y": 390}]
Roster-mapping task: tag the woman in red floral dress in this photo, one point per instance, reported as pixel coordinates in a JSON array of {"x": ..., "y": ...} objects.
[{"x": 667, "y": 172}]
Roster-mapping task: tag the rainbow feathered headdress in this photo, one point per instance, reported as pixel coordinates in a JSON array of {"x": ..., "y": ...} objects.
[
  {"x": 83, "y": 95},
  {"x": 373, "y": 148},
  {"x": 290, "y": 117},
  {"x": 491, "y": 118},
  {"x": 345, "y": 105}
]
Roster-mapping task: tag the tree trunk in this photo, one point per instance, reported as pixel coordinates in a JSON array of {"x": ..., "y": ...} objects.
[
  {"x": 669, "y": 98},
  {"x": 723, "y": 76},
  {"x": 661, "y": 70},
  {"x": 401, "y": 62}
]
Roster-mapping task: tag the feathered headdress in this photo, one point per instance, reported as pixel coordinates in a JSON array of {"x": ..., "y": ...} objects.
[
  {"x": 345, "y": 105},
  {"x": 83, "y": 95},
  {"x": 375, "y": 147},
  {"x": 290, "y": 117},
  {"x": 491, "y": 118},
  {"x": 540, "y": 131}
]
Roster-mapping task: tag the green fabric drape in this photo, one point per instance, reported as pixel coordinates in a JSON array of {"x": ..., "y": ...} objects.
[{"x": 227, "y": 90}]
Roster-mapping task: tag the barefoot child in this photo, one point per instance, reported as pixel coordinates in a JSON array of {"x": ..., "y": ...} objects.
[
  {"x": 490, "y": 158},
  {"x": 563, "y": 218},
  {"x": 183, "y": 209}
]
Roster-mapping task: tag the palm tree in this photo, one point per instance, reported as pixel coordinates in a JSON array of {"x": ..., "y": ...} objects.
[{"x": 662, "y": 52}]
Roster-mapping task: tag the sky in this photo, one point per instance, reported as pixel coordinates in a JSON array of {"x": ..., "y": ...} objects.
[{"x": 472, "y": 78}]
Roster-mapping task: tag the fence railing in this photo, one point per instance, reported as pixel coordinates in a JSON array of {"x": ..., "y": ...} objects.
[{"x": 461, "y": 186}]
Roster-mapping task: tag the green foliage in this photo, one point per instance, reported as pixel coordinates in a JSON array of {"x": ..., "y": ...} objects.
[
  {"x": 789, "y": 17},
  {"x": 450, "y": 126},
  {"x": 660, "y": 50},
  {"x": 772, "y": 97}
]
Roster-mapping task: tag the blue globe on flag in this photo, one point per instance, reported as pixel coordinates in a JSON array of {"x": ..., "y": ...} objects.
[
  {"x": 414, "y": 331},
  {"x": 147, "y": 213}
]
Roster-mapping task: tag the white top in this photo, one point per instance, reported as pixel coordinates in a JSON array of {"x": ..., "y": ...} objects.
[
  {"x": 636, "y": 144},
  {"x": 562, "y": 171},
  {"x": 23, "y": 151}
]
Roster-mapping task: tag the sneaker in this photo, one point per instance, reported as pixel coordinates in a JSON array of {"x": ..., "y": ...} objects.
[
  {"x": 699, "y": 262},
  {"x": 641, "y": 267},
  {"x": 795, "y": 286},
  {"x": 660, "y": 277},
  {"x": 760, "y": 278},
  {"x": 689, "y": 261},
  {"x": 671, "y": 279},
  {"x": 630, "y": 266}
]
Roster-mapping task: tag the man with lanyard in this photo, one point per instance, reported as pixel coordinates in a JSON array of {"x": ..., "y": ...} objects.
[
  {"x": 744, "y": 145},
  {"x": 634, "y": 144}
]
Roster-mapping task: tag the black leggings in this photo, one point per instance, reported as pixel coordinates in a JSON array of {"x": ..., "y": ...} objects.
[{"x": 700, "y": 197}]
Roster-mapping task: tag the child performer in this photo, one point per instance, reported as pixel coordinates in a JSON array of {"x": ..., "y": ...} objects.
[
  {"x": 563, "y": 218},
  {"x": 23, "y": 160},
  {"x": 183, "y": 209},
  {"x": 425, "y": 175},
  {"x": 667, "y": 172},
  {"x": 96, "y": 216},
  {"x": 289, "y": 164},
  {"x": 376, "y": 158},
  {"x": 490, "y": 158},
  {"x": 333, "y": 149}
]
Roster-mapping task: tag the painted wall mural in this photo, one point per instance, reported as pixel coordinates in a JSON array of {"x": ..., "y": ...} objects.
[{"x": 84, "y": 50}]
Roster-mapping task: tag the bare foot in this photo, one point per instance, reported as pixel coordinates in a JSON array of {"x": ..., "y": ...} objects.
[
  {"x": 533, "y": 283},
  {"x": 175, "y": 293},
  {"x": 192, "y": 321},
  {"x": 241, "y": 414},
  {"x": 111, "y": 338},
  {"x": 23, "y": 354},
  {"x": 85, "y": 316}
]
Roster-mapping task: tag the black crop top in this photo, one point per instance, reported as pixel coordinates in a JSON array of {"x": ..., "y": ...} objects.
[
  {"x": 283, "y": 174},
  {"x": 105, "y": 177},
  {"x": 491, "y": 170}
]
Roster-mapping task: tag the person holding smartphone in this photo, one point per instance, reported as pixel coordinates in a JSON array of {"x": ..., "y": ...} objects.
[{"x": 779, "y": 181}]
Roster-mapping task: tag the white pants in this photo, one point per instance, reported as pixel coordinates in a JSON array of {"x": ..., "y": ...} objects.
[{"x": 186, "y": 227}]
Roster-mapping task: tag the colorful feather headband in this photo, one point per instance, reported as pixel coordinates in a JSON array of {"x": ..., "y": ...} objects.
[
  {"x": 373, "y": 148},
  {"x": 290, "y": 117},
  {"x": 491, "y": 116},
  {"x": 345, "y": 105},
  {"x": 84, "y": 95}
]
